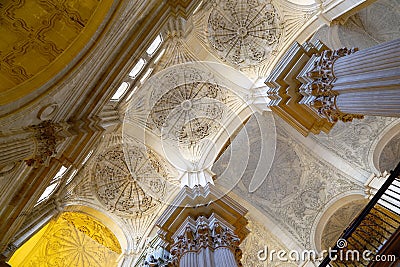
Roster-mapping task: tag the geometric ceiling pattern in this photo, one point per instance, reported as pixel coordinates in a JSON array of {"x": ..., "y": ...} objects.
[
  {"x": 243, "y": 33},
  {"x": 74, "y": 239},
  {"x": 118, "y": 189},
  {"x": 39, "y": 32}
]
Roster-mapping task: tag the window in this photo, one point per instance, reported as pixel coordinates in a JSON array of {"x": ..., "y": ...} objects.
[
  {"x": 71, "y": 176},
  {"x": 130, "y": 95},
  {"x": 87, "y": 157},
  {"x": 146, "y": 75},
  {"x": 137, "y": 68},
  {"x": 53, "y": 185},
  {"x": 121, "y": 91},
  {"x": 198, "y": 7},
  {"x": 159, "y": 56},
  {"x": 154, "y": 45}
]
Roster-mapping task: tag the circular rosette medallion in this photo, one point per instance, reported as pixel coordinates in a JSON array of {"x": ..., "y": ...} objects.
[
  {"x": 243, "y": 32},
  {"x": 121, "y": 190}
]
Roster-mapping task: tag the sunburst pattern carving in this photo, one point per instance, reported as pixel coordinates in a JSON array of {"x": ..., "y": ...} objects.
[
  {"x": 119, "y": 189},
  {"x": 188, "y": 112},
  {"x": 243, "y": 32}
]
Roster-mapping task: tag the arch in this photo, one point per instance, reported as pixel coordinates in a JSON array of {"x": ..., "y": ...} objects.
[
  {"x": 331, "y": 209},
  {"x": 377, "y": 147},
  {"x": 73, "y": 238},
  {"x": 111, "y": 223}
]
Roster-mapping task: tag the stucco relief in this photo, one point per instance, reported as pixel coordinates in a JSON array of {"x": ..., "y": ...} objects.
[
  {"x": 259, "y": 239},
  {"x": 390, "y": 155},
  {"x": 243, "y": 32},
  {"x": 297, "y": 188},
  {"x": 352, "y": 141},
  {"x": 119, "y": 189}
]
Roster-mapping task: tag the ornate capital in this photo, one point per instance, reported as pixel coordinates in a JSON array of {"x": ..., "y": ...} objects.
[
  {"x": 319, "y": 72},
  {"x": 326, "y": 106},
  {"x": 47, "y": 136},
  {"x": 318, "y": 85},
  {"x": 205, "y": 233}
]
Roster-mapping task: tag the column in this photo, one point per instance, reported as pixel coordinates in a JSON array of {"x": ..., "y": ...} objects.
[
  {"x": 368, "y": 82},
  {"x": 35, "y": 144},
  {"x": 203, "y": 228},
  {"x": 313, "y": 87},
  {"x": 342, "y": 83}
]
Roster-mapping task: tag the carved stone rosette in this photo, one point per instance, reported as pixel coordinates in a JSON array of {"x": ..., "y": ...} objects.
[{"x": 317, "y": 89}]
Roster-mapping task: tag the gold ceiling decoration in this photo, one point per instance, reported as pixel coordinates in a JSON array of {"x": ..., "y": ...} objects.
[
  {"x": 74, "y": 239},
  {"x": 39, "y": 38}
]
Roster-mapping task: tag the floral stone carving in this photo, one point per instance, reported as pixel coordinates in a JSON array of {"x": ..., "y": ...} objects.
[
  {"x": 243, "y": 32},
  {"x": 188, "y": 112},
  {"x": 119, "y": 189}
]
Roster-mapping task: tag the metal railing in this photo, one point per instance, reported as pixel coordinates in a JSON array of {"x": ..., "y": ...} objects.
[{"x": 373, "y": 227}]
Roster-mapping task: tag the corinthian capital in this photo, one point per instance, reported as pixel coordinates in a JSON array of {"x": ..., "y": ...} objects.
[
  {"x": 47, "y": 136},
  {"x": 317, "y": 87}
]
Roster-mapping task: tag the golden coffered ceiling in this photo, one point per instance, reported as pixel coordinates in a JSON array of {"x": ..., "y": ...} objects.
[{"x": 40, "y": 37}]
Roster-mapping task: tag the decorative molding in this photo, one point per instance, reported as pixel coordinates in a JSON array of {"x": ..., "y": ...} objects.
[
  {"x": 317, "y": 88},
  {"x": 47, "y": 136},
  {"x": 243, "y": 33}
]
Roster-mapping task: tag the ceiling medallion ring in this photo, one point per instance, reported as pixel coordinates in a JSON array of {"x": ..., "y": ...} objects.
[
  {"x": 186, "y": 113},
  {"x": 243, "y": 33},
  {"x": 119, "y": 188}
]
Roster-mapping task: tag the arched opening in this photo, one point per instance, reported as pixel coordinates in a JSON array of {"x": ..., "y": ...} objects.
[{"x": 71, "y": 239}]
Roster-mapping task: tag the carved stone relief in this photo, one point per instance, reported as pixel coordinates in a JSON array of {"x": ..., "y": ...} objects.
[
  {"x": 188, "y": 113},
  {"x": 249, "y": 35},
  {"x": 243, "y": 32},
  {"x": 259, "y": 239},
  {"x": 390, "y": 155},
  {"x": 339, "y": 221},
  {"x": 119, "y": 189},
  {"x": 47, "y": 136},
  {"x": 296, "y": 189},
  {"x": 352, "y": 141}
]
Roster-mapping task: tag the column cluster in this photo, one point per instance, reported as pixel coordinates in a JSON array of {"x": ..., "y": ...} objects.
[
  {"x": 317, "y": 79},
  {"x": 205, "y": 237}
]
